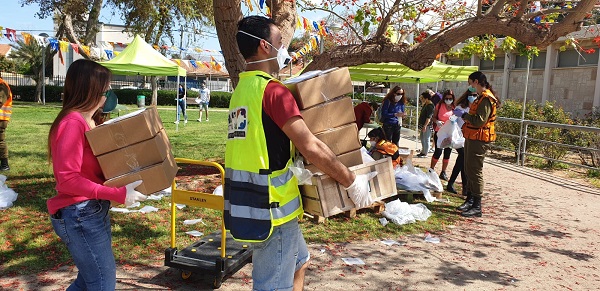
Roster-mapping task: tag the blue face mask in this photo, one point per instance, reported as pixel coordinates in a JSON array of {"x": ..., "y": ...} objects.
[
  {"x": 111, "y": 102},
  {"x": 472, "y": 89},
  {"x": 471, "y": 98}
]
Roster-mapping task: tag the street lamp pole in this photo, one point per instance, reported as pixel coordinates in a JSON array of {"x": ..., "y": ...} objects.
[{"x": 45, "y": 35}]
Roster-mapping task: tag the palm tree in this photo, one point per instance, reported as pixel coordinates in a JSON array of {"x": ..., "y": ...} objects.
[{"x": 31, "y": 53}]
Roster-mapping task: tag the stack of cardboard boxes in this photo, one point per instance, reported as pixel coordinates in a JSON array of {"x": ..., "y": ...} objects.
[
  {"x": 134, "y": 147},
  {"x": 330, "y": 117}
]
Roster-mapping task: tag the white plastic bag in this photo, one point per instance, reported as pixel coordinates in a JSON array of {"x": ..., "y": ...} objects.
[
  {"x": 414, "y": 179},
  {"x": 402, "y": 213},
  {"x": 7, "y": 195},
  {"x": 365, "y": 155},
  {"x": 303, "y": 175}
]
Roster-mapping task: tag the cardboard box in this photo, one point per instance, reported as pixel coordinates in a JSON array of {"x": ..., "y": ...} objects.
[
  {"x": 350, "y": 159},
  {"x": 124, "y": 130},
  {"x": 341, "y": 139},
  {"x": 325, "y": 197},
  {"x": 331, "y": 84},
  {"x": 328, "y": 115},
  {"x": 155, "y": 178},
  {"x": 136, "y": 156}
]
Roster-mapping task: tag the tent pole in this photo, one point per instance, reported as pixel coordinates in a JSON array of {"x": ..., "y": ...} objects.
[
  {"x": 521, "y": 159},
  {"x": 177, "y": 99},
  {"x": 417, "y": 116}
]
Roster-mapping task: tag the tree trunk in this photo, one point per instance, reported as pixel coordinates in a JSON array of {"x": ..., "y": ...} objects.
[
  {"x": 91, "y": 28},
  {"x": 284, "y": 14},
  {"x": 227, "y": 13},
  {"x": 154, "y": 84},
  {"x": 70, "y": 34},
  {"x": 38, "y": 87}
]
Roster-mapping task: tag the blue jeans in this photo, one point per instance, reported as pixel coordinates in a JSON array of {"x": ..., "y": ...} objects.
[
  {"x": 181, "y": 104},
  {"x": 85, "y": 229},
  {"x": 425, "y": 138},
  {"x": 275, "y": 260}
]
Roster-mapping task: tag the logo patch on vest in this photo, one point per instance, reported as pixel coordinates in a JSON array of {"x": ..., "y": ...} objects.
[{"x": 238, "y": 123}]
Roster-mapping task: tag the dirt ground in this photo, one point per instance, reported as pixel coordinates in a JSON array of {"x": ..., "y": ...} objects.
[{"x": 538, "y": 232}]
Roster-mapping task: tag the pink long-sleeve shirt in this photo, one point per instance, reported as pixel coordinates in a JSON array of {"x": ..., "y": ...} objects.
[{"x": 76, "y": 169}]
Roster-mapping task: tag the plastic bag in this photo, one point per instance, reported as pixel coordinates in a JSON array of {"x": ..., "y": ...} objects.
[
  {"x": 402, "y": 213},
  {"x": 414, "y": 179},
  {"x": 365, "y": 155},
  {"x": 303, "y": 175},
  {"x": 450, "y": 135},
  {"x": 7, "y": 195}
]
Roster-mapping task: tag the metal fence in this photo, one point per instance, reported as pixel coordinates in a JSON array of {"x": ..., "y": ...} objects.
[
  {"x": 523, "y": 138},
  {"x": 125, "y": 82}
]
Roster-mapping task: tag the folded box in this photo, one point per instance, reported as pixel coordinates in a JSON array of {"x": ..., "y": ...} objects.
[
  {"x": 124, "y": 130},
  {"x": 136, "y": 156}
]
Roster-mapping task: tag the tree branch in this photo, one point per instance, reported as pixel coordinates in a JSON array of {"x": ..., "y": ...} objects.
[
  {"x": 386, "y": 20},
  {"x": 335, "y": 14}
]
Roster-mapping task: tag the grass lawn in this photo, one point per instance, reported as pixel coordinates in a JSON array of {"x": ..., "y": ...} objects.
[{"x": 29, "y": 245}]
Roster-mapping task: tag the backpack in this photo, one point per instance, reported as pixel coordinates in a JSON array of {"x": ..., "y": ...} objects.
[{"x": 378, "y": 117}]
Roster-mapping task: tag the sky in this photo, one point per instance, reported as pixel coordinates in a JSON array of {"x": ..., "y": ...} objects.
[{"x": 13, "y": 16}]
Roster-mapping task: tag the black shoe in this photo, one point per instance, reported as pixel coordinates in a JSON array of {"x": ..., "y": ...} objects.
[
  {"x": 451, "y": 189},
  {"x": 475, "y": 210},
  {"x": 467, "y": 204},
  {"x": 4, "y": 165},
  {"x": 443, "y": 176},
  {"x": 5, "y": 168},
  {"x": 421, "y": 155}
]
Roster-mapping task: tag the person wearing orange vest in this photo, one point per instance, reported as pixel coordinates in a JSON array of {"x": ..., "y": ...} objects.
[
  {"x": 382, "y": 148},
  {"x": 5, "y": 112},
  {"x": 479, "y": 131}
]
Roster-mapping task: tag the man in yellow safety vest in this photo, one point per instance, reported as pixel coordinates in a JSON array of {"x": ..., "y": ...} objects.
[{"x": 5, "y": 112}]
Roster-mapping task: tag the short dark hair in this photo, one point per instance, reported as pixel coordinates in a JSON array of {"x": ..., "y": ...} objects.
[
  {"x": 426, "y": 95},
  {"x": 256, "y": 25},
  {"x": 377, "y": 132},
  {"x": 374, "y": 105}
]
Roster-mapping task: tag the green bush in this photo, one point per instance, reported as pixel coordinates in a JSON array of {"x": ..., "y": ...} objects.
[
  {"x": 546, "y": 112},
  {"x": 27, "y": 93},
  {"x": 588, "y": 139}
]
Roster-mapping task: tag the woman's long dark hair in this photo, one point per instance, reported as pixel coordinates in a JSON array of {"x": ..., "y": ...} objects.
[
  {"x": 482, "y": 80},
  {"x": 391, "y": 95},
  {"x": 84, "y": 84}
]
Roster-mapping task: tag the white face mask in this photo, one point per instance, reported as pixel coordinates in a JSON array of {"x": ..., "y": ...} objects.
[
  {"x": 283, "y": 57},
  {"x": 448, "y": 101},
  {"x": 373, "y": 143},
  {"x": 397, "y": 98}
]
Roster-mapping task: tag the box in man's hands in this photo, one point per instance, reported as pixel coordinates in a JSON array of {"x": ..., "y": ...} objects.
[
  {"x": 328, "y": 115},
  {"x": 315, "y": 87},
  {"x": 125, "y": 130}
]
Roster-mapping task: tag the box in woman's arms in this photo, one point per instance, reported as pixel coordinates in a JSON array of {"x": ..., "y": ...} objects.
[
  {"x": 125, "y": 130},
  {"x": 136, "y": 156},
  {"x": 326, "y": 197},
  {"x": 154, "y": 178}
]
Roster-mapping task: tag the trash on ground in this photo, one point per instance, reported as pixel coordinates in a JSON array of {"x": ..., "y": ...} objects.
[
  {"x": 134, "y": 205},
  {"x": 383, "y": 221},
  {"x": 403, "y": 213},
  {"x": 412, "y": 178},
  {"x": 180, "y": 206},
  {"x": 193, "y": 221},
  {"x": 7, "y": 195},
  {"x": 431, "y": 239},
  {"x": 157, "y": 197},
  {"x": 391, "y": 242},
  {"x": 353, "y": 261},
  {"x": 218, "y": 191},
  {"x": 443, "y": 200},
  {"x": 119, "y": 209},
  {"x": 148, "y": 209},
  {"x": 195, "y": 233}
]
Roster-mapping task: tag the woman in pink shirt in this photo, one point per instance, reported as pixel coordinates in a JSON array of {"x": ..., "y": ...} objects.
[
  {"x": 443, "y": 111},
  {"x": 79, "y": 211}
]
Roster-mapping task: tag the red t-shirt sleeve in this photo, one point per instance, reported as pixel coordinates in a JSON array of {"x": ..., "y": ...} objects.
[{"x": 279, "y": 103}]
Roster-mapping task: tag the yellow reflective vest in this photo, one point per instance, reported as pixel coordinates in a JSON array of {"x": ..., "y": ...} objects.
[
  {"x": 6, "y": 109},
  {"x": 256, "y": 198}
]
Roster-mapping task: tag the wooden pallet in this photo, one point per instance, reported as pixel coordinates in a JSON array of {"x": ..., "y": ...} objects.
[
  {"x": 377, "y": 207},
  {"x": 409, "y": 195}
]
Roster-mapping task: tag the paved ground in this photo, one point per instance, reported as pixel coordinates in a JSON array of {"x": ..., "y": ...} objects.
[{"x": 538, "y": 232}]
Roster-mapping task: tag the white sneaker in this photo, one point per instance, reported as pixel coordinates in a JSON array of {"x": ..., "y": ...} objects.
[
  {"x": 185, "y": 121},
  {"x": 199, "y": 120},
  {"x": 206, "y": 119},
  {"x": 176, "y": 122}
]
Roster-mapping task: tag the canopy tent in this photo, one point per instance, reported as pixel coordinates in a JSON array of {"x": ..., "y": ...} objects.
[
  {"x": 399, "y": 73},
  {"x": 140, "y": 58}
]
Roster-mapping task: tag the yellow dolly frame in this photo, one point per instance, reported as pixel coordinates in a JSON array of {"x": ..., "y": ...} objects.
[{"x": 215, "y": 253}]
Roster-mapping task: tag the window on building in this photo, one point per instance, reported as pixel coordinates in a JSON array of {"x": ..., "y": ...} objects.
[
  {"x": 573, "y": 58},
  {"x": 465, "y": 62},
  {"x": 537, "y": 62},
  {"x": 496, "y": 64}
]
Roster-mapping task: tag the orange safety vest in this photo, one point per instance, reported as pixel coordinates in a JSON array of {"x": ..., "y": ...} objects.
[
  {"x": 487, "y": 132},
  {"x": 390, "y": 149},
  {"x": 6, "y": 109}
]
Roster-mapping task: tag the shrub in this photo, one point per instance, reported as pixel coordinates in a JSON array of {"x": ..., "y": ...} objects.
[{"x": 27, "y": 93}]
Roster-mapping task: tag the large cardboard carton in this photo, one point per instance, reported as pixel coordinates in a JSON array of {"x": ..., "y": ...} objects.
[
  {"x": 155, "y": 178},
  {"x": 328, "y": 115},
  {"x": 326, "y": 197},
  {"x": 350, "y": 159},
  {"x": 340, "y": 140},
  {"x": 136, "y": 156},
  {"x": 324, "y": 87},
  {"x": 124, "y": 130}
]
